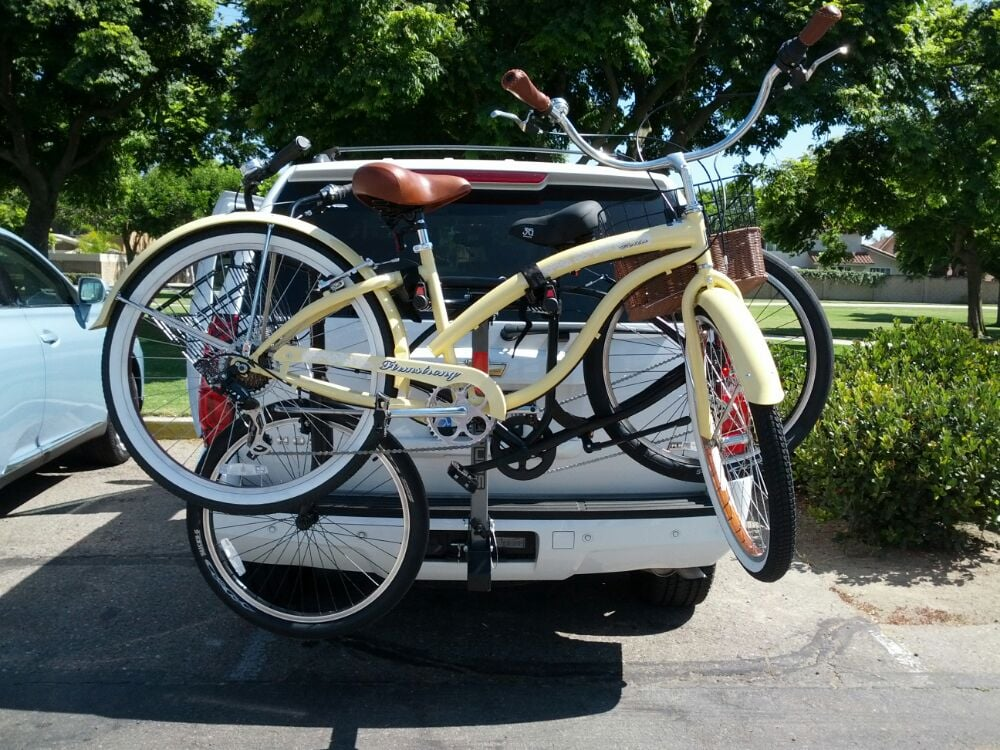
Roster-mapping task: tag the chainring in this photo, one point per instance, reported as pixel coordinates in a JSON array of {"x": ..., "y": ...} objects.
[
  {"x": 472, "y": 427},
  {"x": 528, "y": 467}
]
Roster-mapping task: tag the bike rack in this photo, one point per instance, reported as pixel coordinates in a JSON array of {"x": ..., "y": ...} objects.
[{"x": 481, "y": 539}]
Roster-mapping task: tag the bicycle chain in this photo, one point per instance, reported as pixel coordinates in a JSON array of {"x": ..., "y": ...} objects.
[
  {"x": 377, "y": 451},
  {"x": 444, "y": 448}
]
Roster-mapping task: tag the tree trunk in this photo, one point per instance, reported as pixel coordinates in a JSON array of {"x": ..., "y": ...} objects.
[
  {"x": 993, "y": 270},
  {"x": 964, "y": 249},
  {"x": 974, "y": 279},
  {"x": 38, "y": 222},
  {"x": 127, "y": 237}
]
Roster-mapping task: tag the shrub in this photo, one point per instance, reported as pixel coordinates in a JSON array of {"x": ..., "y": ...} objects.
[
  {"x": 856, "y": 278},
  {"x": 95, "y": 241},
  {"x": 907, "y": 446},
  {"x": 792, "y": 370}
]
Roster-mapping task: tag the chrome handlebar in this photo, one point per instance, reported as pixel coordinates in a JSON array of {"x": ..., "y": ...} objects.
[{"x": 559, "y": 114}]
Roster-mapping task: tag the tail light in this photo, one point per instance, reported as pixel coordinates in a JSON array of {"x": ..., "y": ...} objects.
[{"x": 215, "y": 413}]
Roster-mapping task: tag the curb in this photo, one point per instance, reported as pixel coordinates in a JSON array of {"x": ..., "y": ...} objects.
[{"x": 170, "y": 428}]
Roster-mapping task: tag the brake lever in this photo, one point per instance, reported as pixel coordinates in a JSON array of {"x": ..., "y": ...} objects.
[
  {"x": 525, "y": 125},
  {"x": 329, "y": 196},
  {"x": 800, "y": 76},
  {"x": 829, "y": 55},
  {"x": 521, "y": 124}
]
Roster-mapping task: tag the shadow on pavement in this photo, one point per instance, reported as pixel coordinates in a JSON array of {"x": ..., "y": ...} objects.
[
  {"x": 121, "y": 625},
  {"x": 64, "y": 468},
  {"x": 25, "y": 489},
  {"x": 856, "y": 564}
]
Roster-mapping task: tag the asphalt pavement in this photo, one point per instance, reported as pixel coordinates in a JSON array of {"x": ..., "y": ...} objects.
[{"x": 111, "y": 639}]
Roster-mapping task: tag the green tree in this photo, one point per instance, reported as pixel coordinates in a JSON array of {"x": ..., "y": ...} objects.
[
  {"x": 150, "y": 204},
  {"x": 337, "y": 70},
  {"x": 921, "y": 153},
  {"x": 89, "y": 85},
  {"x": 13, "y": 208},
  {"x": 166, "y": 197},
  {"x": 796, "y": 207},
  {"x": 390, "y": 71}
]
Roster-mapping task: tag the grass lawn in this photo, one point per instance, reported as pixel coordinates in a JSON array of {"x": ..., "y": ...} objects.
[
  {"x": 851, "y": 321},
  {"x": 165, "y": 392}
]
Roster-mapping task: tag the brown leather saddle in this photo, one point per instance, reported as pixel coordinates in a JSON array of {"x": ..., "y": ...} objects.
[{"x": 390, "y": 183}]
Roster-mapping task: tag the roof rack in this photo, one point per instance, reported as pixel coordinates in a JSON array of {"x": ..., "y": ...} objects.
[{"x": 334, "y": 153}]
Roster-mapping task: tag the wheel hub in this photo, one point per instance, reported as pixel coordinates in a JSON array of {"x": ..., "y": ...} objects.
[{"x": 306, "y": 519}]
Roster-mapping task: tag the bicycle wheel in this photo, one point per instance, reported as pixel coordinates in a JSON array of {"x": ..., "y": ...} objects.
[
  {"x": 746, "y": 465},
  {"x": 798, "y": 334},
  {"x": 634, "y": 361},
  {"x": 335, "y": 564},
  {"x": 217, "y": 283},
  {"x": 633, "y": 364}
]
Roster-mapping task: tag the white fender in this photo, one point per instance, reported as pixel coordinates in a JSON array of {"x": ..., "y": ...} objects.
[{"x": 747, "y": 348}]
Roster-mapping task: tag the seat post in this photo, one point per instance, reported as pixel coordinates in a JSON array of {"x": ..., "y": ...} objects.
[{"x": 424, "y": 250}]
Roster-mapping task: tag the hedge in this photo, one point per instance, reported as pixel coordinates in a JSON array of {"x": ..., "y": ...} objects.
[{"x": 908, "y": 447}]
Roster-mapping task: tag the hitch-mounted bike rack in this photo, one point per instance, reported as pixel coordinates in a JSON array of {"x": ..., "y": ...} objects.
[{"x": 481, "y": 538}]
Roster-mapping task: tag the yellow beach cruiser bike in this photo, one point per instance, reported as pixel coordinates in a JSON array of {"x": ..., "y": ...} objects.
[{"x": 294, "y": 361}]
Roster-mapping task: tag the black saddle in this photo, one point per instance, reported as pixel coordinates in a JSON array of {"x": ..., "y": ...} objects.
[{"x": 568, "y": 226}]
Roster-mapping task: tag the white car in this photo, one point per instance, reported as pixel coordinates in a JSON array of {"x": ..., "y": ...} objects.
[
  {"x": 588, "y": 512},
  {"x": 51, "y": 400}
]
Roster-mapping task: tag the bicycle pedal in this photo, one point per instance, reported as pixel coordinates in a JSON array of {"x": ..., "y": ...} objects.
[
  {"x": 465, "y": 478},
  {"x": 381, "y": 414}
]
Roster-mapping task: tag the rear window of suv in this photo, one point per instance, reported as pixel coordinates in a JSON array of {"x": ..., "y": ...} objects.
[{"x": 471, "y": 237}]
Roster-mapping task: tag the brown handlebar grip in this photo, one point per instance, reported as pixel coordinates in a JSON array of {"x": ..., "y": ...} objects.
[
  {"x": 819, "y": 24},
  {"x": 519, "y": 84}
]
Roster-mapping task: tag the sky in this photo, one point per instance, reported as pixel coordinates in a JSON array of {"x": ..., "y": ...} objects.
[{"x": 793, "y": 146}]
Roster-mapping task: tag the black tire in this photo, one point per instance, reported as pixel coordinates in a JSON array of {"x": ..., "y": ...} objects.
[
  {"x": 747, "y": 470},
  {"x": 107, "y": 450},
  {"x": 300, "y": 574},
  {"x": 803, "y": 349},
  {"x": 672, "y": 590},
  {"x": 798, "y": 333},
  {"x": 207, "y": 281}
]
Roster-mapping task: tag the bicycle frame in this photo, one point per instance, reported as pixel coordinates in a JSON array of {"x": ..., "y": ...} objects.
[{"x": 681, "y": 243}]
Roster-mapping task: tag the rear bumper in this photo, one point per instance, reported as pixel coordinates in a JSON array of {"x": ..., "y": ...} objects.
[{"x": 571, "y": 538}]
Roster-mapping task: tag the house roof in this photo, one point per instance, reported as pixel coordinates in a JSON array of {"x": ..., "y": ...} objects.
[
  {"x": 858, "y": 259},
  {"x": 884, "y": 246}
]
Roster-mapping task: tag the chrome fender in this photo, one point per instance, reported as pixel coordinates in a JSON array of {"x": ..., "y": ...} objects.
[{"x": 337, "y": 247}]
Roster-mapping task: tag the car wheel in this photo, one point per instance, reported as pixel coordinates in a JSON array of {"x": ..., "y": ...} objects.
[
  {"x": 107, "y": 450},
  {"x": 672, "y": 590}
]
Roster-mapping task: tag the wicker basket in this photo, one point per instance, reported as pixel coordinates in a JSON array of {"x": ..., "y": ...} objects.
[{"x": 738, "y": 253}]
